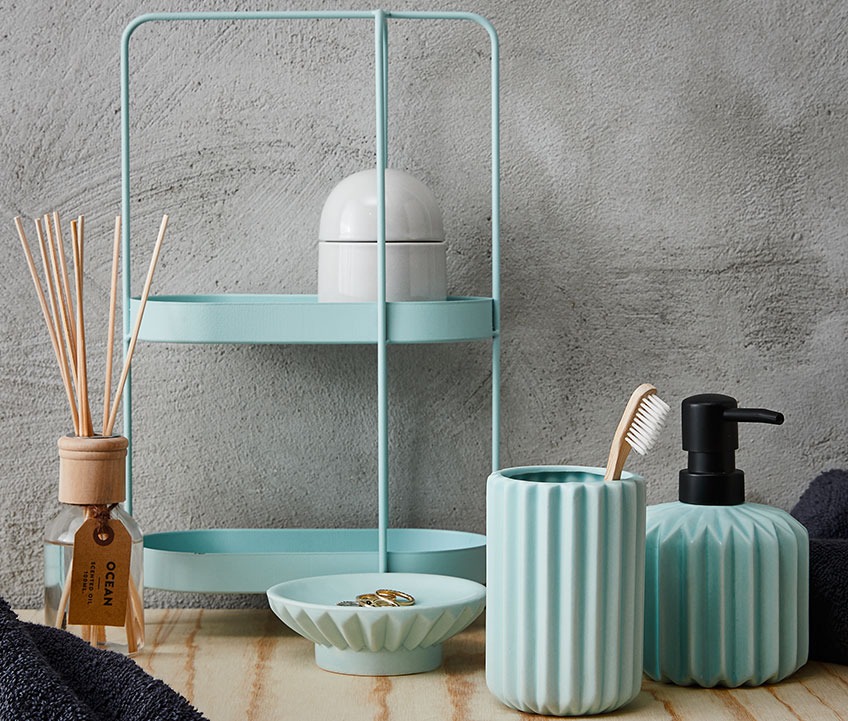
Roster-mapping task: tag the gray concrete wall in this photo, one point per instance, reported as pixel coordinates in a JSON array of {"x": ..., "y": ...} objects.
[{"x": 674, "y": 176}]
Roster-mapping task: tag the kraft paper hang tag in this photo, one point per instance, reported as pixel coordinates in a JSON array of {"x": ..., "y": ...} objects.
[{"x": 101, "y": 574}]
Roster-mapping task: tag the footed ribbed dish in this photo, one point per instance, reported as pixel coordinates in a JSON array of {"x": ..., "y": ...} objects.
[{"x": 386, "y": 641}]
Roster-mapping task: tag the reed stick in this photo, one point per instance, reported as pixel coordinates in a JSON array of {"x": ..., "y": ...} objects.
[
  {"x": 61, "y": 297},
  {"x": 110, "y": 338},
  {"x": 138, "y": 609},
  {"x": 66, "y": 595},
  {"x": 129, "y": 627},
  {"x": 62, "y": 328},
  {"x": 87, "y": 428},
  {"x": 48, "y": 282},
  {"x": 66, "y": 286},
  {"x": 82, "y": 375},
  {"x": 107, "y": 431},
  {"x": 39, "y": 292}
]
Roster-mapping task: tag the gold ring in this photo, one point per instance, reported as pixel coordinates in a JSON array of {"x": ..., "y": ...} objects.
[
  {"x": 374, "y": 601},
  {"x": 399, "y": 597}
]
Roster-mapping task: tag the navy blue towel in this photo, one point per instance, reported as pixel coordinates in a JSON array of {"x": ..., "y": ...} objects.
[
  {"x": 823, "y": 509},
  {"x": 47, "y": 674}
]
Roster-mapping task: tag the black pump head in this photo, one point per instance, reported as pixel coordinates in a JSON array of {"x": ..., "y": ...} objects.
[{"x": 711, "y": 436}]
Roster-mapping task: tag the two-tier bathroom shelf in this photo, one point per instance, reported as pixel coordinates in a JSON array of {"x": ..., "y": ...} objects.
[{"x": 252, "y": 560}]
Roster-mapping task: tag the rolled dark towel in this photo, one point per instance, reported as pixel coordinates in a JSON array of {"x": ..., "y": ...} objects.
[
  {"x": 823, "y": 509},
  {"x": 47, "y": 674},
  {"x": 829, "y": 600}
]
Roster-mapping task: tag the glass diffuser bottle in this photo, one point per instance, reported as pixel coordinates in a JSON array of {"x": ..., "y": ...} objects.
[
  {"x": 92, "y": 550},
  {"x": 108, "y": 579}
]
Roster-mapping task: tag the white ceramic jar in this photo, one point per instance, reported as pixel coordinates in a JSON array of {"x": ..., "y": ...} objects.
[{"x": 416, "y": 266}]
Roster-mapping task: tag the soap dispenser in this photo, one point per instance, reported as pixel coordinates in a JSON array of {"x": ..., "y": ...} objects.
[{"x": 726, "y": 582}]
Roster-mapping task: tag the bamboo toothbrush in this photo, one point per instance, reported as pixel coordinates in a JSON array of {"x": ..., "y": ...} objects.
[{"x": 639, "y": 427}]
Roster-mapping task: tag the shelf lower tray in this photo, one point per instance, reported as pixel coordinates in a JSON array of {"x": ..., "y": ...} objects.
[
  {"x": 253, "y": 560},
  {"x": 302, "y": 319}
]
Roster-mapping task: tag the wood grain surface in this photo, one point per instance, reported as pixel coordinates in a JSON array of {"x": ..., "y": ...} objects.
[{"x": 245, "y": 665}]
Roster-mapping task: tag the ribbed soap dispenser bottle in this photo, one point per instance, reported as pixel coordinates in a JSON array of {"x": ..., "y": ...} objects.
[{"x": 726, "y": 582}]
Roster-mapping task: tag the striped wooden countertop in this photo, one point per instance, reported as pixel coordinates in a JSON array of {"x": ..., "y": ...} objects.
[{"x": 246, "y": 665}]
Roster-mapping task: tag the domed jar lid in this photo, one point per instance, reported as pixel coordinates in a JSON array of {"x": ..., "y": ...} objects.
[{"x": 350, "y": 211}]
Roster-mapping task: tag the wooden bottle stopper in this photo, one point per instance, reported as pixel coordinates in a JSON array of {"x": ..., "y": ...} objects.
[{"x": 92, "y": 470}]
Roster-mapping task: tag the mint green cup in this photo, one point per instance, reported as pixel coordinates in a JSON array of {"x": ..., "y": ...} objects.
[{"x": 565, "y": 568}]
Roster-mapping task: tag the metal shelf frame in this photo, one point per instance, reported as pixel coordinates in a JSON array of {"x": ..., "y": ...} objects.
[{"x": 380, "y": 19}]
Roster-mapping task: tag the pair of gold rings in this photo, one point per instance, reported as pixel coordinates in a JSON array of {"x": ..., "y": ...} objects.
[{"x": 381, "y": 598}]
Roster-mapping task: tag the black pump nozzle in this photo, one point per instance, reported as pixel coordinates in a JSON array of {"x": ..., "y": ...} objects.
[
  {"x": 711, "y": 436},
  {"x": 753, "y": 415}
]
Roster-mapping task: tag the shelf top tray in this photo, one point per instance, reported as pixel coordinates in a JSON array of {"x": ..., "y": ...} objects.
[{"x": 259, "y": 319}]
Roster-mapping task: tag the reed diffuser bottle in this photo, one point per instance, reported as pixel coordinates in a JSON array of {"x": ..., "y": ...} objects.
[
  {"x": 93, "y": 582},
  {"x": 92, "y": 549}
]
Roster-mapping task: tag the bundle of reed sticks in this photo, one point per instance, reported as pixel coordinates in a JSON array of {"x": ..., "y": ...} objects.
[
  {"x": 66, "y": 321},
  {"x": 62, "y": 308}
]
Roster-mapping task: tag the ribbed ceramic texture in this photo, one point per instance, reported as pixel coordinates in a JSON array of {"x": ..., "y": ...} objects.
[
  {"x": 726, "y": 595},
  {"x": 379, "y": 630},
  {"x": 565, "y": 575},
  {"x": 378, "y": 641}
]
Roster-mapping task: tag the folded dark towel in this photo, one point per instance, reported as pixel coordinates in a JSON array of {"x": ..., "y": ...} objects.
[
  {"x": 47, "y": 674},
  {"x": 829, "y": 599},
  {"x": 823, "y": 509}
]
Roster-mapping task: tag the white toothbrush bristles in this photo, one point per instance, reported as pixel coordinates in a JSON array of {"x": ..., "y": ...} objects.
[
  {"x": 647, "y": 424},
  {"x": 639, "y": 428}
]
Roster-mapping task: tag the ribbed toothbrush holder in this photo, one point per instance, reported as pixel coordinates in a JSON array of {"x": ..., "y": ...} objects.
[{"x": 566, "y": 585}]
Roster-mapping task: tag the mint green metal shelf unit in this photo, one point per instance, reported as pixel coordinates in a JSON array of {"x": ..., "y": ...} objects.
[{"x": 252, "y": 560}]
